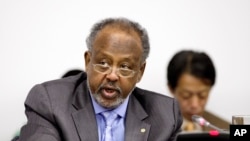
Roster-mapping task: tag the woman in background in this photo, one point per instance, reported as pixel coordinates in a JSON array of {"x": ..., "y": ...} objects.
[{"x": 190, "y": 77}]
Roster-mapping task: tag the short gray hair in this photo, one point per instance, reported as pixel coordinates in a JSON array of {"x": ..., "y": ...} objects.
[{"x": 123, "y": 23}]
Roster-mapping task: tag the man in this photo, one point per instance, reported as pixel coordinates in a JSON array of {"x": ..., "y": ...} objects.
[
  {"x": 191, "y": 76},
  {"x": 106, "y": 105}
]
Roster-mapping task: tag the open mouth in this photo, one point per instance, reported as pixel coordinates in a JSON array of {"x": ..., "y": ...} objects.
[{"x": 109, "y": 93}]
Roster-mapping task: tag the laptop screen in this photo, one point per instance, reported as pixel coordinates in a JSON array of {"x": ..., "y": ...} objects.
[{"x": 202, "y": 136}]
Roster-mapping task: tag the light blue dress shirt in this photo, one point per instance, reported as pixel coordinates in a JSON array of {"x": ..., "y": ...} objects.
[{"x": 119, "y": 129}]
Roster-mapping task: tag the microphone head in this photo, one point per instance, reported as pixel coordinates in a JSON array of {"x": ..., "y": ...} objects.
[{"x": 200, "y": 120}]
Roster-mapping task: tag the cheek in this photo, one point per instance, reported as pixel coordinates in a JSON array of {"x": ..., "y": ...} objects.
[
  {"x": 126, "y": 86},
  {"x": 184, "y": 104},
  {"x": 95, "y": 81},
  {"x": 203, "y": 102}
]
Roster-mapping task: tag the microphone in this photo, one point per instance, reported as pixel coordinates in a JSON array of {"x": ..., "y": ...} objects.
[{"x": 202, "y": 122}]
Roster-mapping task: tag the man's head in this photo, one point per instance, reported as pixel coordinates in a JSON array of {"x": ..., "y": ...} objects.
[
  {"x": 191, "y": 76},
  {"x": 115, "y": 60}
]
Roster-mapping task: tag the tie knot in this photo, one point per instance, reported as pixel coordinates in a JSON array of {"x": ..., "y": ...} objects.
[{"x": 109, "y": 117}]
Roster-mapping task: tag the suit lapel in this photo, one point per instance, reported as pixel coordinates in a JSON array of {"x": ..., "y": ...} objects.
[
  {"x": 136, "y": 129},
  {"x": 84, "y": 118}
]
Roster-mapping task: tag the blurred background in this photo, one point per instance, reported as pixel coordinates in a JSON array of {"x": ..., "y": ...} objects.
[{"x": 41, "y": 39}]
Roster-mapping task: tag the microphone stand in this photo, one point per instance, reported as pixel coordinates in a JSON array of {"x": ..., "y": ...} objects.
[{"x": 202, "y": 122}]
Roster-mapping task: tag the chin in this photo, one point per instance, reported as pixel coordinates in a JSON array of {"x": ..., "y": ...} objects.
[{"x": 109, "y": 104}]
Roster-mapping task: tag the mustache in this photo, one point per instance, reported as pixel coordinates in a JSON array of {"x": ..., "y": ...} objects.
[{"x": 109, "y": 85}]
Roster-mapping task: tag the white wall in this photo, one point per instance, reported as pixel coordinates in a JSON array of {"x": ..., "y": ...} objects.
[{"x": 42, "y": 39}]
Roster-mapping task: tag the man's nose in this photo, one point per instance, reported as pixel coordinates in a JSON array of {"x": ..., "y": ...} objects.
[{"x": 112, "y": 76}]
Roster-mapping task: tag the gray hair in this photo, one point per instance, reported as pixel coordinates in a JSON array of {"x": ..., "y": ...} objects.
[{"x": 121, "y": 23}]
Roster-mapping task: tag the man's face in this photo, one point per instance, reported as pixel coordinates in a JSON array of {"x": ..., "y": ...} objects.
[
  {"x": 192, "y": 94},
  {"x": 119, "y": 51}
]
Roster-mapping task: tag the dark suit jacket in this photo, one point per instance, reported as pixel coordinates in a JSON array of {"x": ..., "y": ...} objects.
[{"x": 61, "y": 110}]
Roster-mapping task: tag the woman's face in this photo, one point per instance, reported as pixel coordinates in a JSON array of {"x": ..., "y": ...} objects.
[{"x": 192, "y": 94}]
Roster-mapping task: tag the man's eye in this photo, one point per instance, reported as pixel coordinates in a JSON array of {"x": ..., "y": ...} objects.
[
  {"x": 104, "y": 64},
  {"x": 125, "y": 67}
]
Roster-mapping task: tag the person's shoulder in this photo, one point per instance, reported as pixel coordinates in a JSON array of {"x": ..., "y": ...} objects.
[
  {"x": 59, "y": 86},
  {"x": 71, "y": 80},
  {"x": 153, "y": 102},
  {"x": 216, "y": 119},
  {"x": 151, "y": 95},
  {"x": 54, "y": 90}
]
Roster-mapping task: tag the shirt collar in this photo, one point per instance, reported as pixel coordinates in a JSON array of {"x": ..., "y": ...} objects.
[{"x": 120, "y": 110}]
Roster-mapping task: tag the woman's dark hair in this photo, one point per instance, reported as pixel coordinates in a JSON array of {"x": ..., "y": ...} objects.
[{"x": 195, "y": 63}]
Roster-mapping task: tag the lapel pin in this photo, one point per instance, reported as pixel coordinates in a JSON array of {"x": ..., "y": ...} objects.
[{"x": 143, "y": 130}]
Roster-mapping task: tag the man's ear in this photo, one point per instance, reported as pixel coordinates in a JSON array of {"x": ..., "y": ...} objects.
[
  {"x": 141, "y": 72},
  {"x": 87, "y": 56}
]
